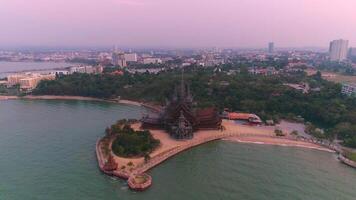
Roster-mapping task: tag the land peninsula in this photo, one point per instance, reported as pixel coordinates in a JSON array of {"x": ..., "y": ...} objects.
[{"x": 131, "y": 148}]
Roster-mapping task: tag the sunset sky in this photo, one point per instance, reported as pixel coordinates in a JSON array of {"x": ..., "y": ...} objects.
[{"x": 177, "y": 23}]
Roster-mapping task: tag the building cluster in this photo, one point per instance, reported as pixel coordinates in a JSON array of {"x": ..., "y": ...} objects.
[
  {"x": 267, "y": 71},
  {"x": 204, "y": 58},
  {"x": 88, "y": 69},
  {"x": 28, "y": 81},
  {"x": 123, "y": 59},
  {"x": 267, "y": 61},
  {"x": 48, "y": 56}
]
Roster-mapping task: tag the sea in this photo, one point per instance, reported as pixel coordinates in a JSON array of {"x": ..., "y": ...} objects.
[{"x": 47, "y": 152}]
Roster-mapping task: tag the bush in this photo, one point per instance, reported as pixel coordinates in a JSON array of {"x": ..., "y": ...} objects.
[
  {"x": 294, "y": 133},
  {"x": 279, "y": 132}
]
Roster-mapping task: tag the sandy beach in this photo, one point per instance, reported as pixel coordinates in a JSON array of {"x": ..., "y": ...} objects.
[
  {"x": 8, "y": 97},
  {"x": 79, "y": 98},
  {"x": 51, "y": 97},
  {"x": 278, "y": 142},
  {"x": 241, "y": 133}
]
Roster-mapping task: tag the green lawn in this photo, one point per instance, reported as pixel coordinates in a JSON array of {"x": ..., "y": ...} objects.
[{"x": 351, "y": 156}]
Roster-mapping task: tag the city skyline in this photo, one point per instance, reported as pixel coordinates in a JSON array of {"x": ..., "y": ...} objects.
[{"x": 159, "y": 23}]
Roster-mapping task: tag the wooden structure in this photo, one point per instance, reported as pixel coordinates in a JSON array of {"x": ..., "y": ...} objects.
[{"x": 180, "y": 118}]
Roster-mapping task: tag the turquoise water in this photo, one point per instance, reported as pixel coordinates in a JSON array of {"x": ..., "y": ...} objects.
[{"x": 47, "y": 152}]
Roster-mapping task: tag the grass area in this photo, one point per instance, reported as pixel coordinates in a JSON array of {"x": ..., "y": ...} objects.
[
  {"x": 129, "y": 142},
  {"x": 339, "y": 78},
  {"x": 351, "y": 156}
]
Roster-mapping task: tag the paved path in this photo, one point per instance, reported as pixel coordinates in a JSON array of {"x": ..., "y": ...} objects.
[{"x": 156, "y": 160}]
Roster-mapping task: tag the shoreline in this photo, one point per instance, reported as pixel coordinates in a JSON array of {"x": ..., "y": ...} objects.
[
  {"x": 237, "y": 133},
  {"x": 170, "y": 147},
  {"x": 76, "y": 98},
  {"x": 283, "y": 142}
]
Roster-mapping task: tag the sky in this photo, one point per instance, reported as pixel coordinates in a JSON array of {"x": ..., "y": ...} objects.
[{"x": 177, "y": 23}]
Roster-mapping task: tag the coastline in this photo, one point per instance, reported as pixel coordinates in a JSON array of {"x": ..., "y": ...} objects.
[
  {"x": 170, "y": 147},
  {"x": 284, "y": 142},
  {"x": 238, "y": 133},
  {"x": 66, "y": 97}
]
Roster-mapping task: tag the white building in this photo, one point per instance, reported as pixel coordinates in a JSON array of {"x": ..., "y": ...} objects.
[
  {"x": 28, "y": 81},
  {"x": 348, "y": 89},
  {"x": 131, "y": 57},
  {"x": 152, "y": 61},
  {"x": 60, "y": 72},
  {"x": 338, "y": 50},
  {"x": 86, "y": 69}
]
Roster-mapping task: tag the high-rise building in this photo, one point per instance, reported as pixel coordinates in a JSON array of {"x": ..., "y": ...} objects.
[
  {"x": 271, "y": 47},
  {"x": 352, "y": 52},
  {"x": 338, "y": 50}
]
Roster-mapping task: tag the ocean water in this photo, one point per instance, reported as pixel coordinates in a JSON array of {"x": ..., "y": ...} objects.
[{"x": 47, "y": 152}]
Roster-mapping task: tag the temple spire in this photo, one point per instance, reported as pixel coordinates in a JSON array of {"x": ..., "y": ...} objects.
[
  {"x": 189, "y": 95},
  {"x": 175, "y": 94},
  {"x": 182, "y": 87}
]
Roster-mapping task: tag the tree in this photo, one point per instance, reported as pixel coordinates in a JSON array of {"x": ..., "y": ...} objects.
[
  {"x": 147, "y": 157},
  {"x": 279, "y": 132},
  {"x": 295, "y": 133}
]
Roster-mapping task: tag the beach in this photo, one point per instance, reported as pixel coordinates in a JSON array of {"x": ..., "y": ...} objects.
[
  {"x": 66, "y": 97},
  {"x": 278, "y": 142},
  {"x": 233, "y": 132}
]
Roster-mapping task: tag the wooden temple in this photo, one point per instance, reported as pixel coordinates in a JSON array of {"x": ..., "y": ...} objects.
[{"x": 179, "y": 118}]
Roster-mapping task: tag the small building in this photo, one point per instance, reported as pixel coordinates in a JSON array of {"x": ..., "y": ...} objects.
[
  {"x": 251, "y": 118},
  {"x": 3, "y": 82},
  {"x": 86, "y": 69},
  {"x": 152, "y": 61},
  {"x": 117, "y": 73},
  {"x": 348, "y": 89}
]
